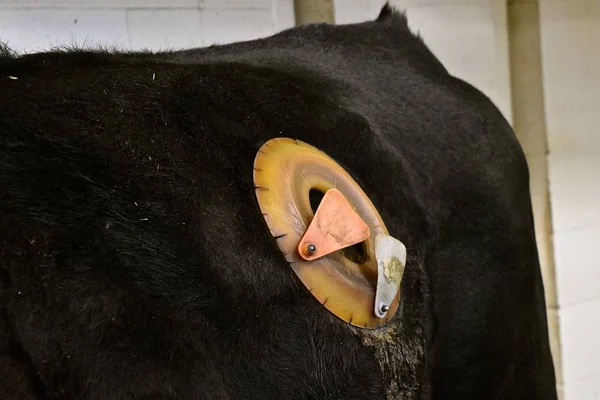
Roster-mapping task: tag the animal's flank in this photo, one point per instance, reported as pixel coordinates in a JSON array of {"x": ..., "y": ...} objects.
[{"x": 135, "y": 260}]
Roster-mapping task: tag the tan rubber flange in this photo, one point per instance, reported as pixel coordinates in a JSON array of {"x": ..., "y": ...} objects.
[{"x": 285, "y": 170}]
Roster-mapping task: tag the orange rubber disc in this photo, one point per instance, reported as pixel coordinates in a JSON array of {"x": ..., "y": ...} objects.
[{"x": 343, "y": 281}]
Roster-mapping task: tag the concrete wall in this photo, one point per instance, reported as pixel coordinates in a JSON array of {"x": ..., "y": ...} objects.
[
  {"x": 570, "y": 48},
  {"x": 34, "y": 25}
]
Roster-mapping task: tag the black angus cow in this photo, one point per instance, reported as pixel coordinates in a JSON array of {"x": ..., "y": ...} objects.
[{"x": 135, "y": 262}]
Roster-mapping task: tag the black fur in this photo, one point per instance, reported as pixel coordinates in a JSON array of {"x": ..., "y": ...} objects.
[
  {"x": 5, "y": 51},
  {"x": 135, "y": 263}
]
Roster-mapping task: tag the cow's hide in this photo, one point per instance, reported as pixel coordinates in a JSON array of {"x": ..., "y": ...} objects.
[{"x": 135, "y": 262}]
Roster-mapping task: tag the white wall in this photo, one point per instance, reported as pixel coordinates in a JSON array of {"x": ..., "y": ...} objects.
[
  {"x": 35, "y": 25},
  {"x": 570, "y": 36}
]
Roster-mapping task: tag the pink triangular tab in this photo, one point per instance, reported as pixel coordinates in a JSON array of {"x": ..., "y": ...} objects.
[{"x": 336, "y": 225}]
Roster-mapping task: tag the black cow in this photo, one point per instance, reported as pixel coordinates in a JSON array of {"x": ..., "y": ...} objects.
[{"x": 135, "y": 261}]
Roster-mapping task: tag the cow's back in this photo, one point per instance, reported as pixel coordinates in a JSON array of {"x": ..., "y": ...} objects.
[{"x": 135, "y": 262}]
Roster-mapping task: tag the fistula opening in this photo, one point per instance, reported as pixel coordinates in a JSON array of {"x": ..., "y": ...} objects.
[{"x": 296, "y": 182}]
